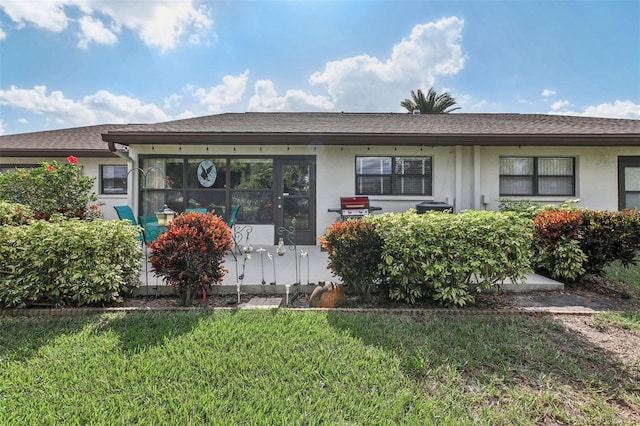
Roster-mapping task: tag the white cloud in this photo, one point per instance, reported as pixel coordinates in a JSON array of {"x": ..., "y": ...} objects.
[
  {"x": 48, "y": 15},
  {"x": 110, "y": 108},
  {"x": 548, "y": 92},
  {"x": 368, "y": 83},
  {"x": 171, "y": 101},
  {"x": 560, "y": 105},
  {"x": 217, "y": 98},
  {"x": 160, "y": 23},
  {"x": 93, "y": 30},
  {"x": 266, "y": 98},
  {"x": 3, "y": 35},
  {"x": 2, "y": 127},
  {"x": 101, "y": 107},
  {"x": 617, "y": 109}
]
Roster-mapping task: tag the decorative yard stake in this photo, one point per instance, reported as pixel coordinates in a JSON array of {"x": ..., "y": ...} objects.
[
  {"x": 290, "y": 234},
  {"x": 261, "y": 251},
  {"x": 270, "y": 256}
]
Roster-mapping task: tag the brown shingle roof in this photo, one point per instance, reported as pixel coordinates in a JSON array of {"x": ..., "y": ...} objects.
[
  {"x": 79, "y": 141},
  {"x": 372, "y": 128},
  {"x": 332, "y": 128}
]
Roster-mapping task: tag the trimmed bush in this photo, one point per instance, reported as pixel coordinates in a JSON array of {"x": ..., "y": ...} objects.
[
  {"x": 609, "y": 236},
  {"x": 190, "y": 254},
  {"x": 354, "y": 249},
  {"x": 14, "y": 213},
  {"x": 448, "y": 257},
  {"x": 52, "y": 188},
  {"x": 569, "y": 244},
  {"x": 557, "y": 251},
  {"x": 68, "y": 262},
  {"x": 530, "y": 209}
]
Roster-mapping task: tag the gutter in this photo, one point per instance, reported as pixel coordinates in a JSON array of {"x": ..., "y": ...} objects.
[{"x": 122, "y": 154}]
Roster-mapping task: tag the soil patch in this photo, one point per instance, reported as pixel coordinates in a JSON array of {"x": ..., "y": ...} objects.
[{"x": 593, "y": 293}]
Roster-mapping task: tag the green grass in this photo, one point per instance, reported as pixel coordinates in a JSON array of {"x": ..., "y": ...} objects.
[
  {"x": 289, "y": 368},
  {"x": 628, "y": 275},
  {"x": 628, "y": 320}
]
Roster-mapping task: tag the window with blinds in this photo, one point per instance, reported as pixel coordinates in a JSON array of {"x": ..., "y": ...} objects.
[
  {"x": 393, "y": 176},
  {"x": 534, "y": 176}
]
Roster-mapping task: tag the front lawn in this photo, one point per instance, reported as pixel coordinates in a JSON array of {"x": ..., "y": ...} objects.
[
  {"x": 630, "y": 276},
  {"x": 288, "y": 367}
]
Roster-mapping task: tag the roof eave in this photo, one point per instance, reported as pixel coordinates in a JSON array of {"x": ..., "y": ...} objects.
[
  {"x": 80, "y": 153},
  {"x": 346, "y": 139}
]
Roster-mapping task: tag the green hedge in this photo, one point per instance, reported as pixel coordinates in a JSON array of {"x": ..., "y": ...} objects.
[
  {"x": 569, "y": 244},
  {"x": 448, "y": 257},
  {"x": 14, "y": 213},
  {"x": 68, "y": 262}
]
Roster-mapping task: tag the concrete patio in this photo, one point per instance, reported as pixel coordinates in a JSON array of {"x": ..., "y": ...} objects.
[{"x": 267, "y": 273}]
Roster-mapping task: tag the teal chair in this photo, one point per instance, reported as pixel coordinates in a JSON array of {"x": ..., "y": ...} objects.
[
  {"x": 232, "y": 221},
  {"x": 196, "y": 210},
  {"x": 125, "y": 213},
  {"x": 233, "y": 216},
  {"x": 150, "y": 228}
]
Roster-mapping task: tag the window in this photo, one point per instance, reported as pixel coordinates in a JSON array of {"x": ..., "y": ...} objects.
[
  {"x": 393, "y": 176},
  {"x": 4, "y": 168},
  {"x": 113, "y": 179},
  {"x": 530, "y": 176},
  {"x": 214, "y": 183}
]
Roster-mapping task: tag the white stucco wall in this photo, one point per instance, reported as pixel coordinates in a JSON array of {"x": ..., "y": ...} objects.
[
  {"x": 596, "y": 174},
  {"x": 466, "y": 177}
]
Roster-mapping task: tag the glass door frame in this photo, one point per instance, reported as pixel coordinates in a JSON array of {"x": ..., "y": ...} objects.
[
  {"x": 623, "y": 163},
  {"x": 303, "y": 236}
]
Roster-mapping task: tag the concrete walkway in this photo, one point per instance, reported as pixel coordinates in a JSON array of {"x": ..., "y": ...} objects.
[{"x": 266, "y": 273}]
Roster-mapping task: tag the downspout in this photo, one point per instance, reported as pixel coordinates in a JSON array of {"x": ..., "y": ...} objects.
[{"x": 130, "y": 163}]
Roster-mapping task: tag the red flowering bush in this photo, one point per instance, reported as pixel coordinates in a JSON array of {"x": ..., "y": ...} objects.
[
  {"x": 569, "y": 244},
  {"x": 609, "y": 236},
  {"x": 52, "y": 188},
  {"x": 557, "y": 250},
  {"x": 190, "y": 254},
  {"x": 554, "y": 223},
  {"x": 354, "y": 249}
]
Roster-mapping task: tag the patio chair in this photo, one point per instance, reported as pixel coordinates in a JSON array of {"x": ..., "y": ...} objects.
[
  {"x": 196, "y": 210},
  {"x": 125, "y": 213},
  {"x": 150, "y": 228},
  {"x": 233, "y": 216},
  {"x": 231, "y": 223}
]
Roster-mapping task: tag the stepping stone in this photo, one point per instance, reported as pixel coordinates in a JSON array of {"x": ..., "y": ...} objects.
[{"x": 262, "y": 303}]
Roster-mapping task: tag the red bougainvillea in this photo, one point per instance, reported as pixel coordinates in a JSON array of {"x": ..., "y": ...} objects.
[{"x": 191, "y": 252}]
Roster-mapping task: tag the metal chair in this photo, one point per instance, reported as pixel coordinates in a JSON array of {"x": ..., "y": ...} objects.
[
  {"x": 125, "y": 213},
  {"x": 150, "y": 228},
  {"x": 196, "y": 210},
  {"x": 233, "y": 216}
]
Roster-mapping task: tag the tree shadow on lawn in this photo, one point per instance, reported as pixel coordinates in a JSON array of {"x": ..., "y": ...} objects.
[
  {"x": 21, "y": 338},
  {"x": 517, "y": 351}
]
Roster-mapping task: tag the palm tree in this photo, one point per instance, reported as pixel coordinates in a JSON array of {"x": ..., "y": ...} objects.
[{"x": 430, "y": 104}]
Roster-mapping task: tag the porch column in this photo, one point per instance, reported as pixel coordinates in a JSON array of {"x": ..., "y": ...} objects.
[{"x": 457, "y": 200}]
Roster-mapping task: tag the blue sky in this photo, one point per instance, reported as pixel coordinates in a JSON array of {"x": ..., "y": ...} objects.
[{"x": 69, "y": 63}]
